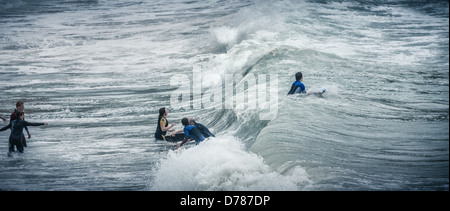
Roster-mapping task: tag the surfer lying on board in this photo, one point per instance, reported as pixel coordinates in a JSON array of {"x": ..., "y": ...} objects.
[
  {"x": 16, "y": 126},
  {"x": 299, "y": 87},
  {"x": 163, "y": 126},
  {"x": 203, "y": 129},
  {"x": 3, "y": 118},
  {"x": 191, "y": 133}
]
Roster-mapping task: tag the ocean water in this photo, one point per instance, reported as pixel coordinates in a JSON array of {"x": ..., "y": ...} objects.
[{"x": 98, "y": 72}]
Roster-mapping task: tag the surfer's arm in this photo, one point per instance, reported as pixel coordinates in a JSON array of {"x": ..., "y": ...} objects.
[
  {"x": 173, "y": 132},
  {"x": 34, "y": 124},
  {"x": 312, "y": 93},
  {"x": 163, "y": 123},
  {"x": 317, "y": 93},
  {"x": 167, "y": 128},
  {"x": 183, "y": 142},
  {"x": 6, "y": 127},
  {"x": 186, "y": 140},
  {"x": 164, "y": 128},
  {"x": 28, "y": 132}
]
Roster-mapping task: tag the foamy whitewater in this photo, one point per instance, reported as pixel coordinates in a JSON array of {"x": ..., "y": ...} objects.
[
  {"x": 222, "y": 164},
  {"x": 98, "y": 72}
]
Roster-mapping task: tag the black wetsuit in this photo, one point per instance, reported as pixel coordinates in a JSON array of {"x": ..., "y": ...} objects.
[
  {"x": 14, "y": 117},
  {"x": 204, "y": 130},
  {"x": 297, "y": 87},
  {"x": 192, "y": 132},
  {"x": 15, "y": 139},
  {"x": 161, "y": 135}
]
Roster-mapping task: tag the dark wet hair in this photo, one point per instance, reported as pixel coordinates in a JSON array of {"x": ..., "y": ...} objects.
[
  {"x": 185, "y": 121},
  {"x": 18, "y": 114},
  {"x": 162, "y": 111},
  {"x": 298, "y": 76}
]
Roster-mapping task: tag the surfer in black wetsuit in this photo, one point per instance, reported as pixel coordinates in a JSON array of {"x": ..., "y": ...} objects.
[
  {"x": 16, "y": 126},
  {"x": 297, "y": 86},
  {"x": 3, "y": 118},
  {"x": 20, "y": 107},
  {"x": 203, "y": 129},
  {"x": 163, "y": 126}
]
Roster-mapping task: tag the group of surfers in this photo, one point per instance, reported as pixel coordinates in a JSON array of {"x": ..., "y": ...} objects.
[
  {"x": 191, "y": 129},
  {"x": 17, "y": 123},
  {"x": 198, "y": 132}
]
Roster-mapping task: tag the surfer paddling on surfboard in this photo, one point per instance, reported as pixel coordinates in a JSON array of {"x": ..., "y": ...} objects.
[
  {"x": 299, "y": 88},
  {"x": 191, "y": 133}
]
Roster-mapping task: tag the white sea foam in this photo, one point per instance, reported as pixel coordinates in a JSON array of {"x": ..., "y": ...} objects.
[{"x": 221, "y": 164}]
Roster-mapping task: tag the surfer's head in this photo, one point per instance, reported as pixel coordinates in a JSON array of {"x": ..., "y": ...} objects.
[
  {"x": 162, "y": 111},
  {"x": 298, "y": 76},
  {"x": 20, "y": 106},
  {"x": 191, "y": 121},
  {"x": 185, "y": 121},
  {"x": 19, "y": 115}
]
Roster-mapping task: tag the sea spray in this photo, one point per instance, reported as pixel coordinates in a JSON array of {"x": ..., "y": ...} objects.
[{"x": 221, "y": 164}]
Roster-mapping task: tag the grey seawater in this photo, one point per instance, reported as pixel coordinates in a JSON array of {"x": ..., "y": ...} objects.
[{"x": 98, "y": 71}]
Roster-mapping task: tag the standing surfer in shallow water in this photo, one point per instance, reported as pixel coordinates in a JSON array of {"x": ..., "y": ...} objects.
[
  {"x": 163, "y": 126},
  {"x": 16, "y": 126},
  {"x": 299, "y": 88},
  {"x": 20, "y": 107}
]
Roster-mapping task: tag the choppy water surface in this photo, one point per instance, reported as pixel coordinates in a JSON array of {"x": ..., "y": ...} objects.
[{"x": 98, "y": 71}]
